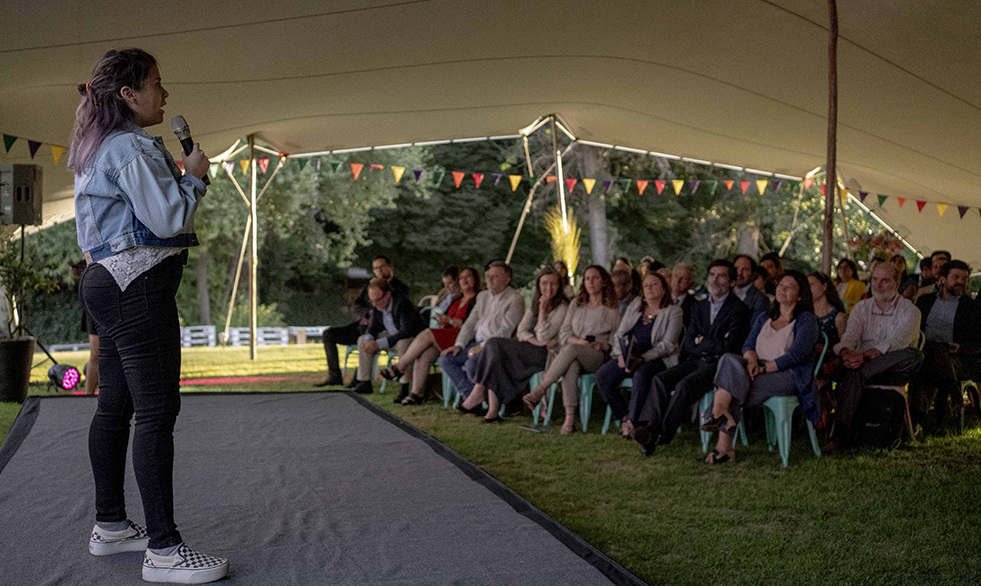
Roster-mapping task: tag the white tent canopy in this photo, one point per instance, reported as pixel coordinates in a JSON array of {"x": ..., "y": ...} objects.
[{"x": 742, "y": 82}]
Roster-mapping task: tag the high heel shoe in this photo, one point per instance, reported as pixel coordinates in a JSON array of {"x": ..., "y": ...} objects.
[
  {"x": 534, "y": 398},
  {"x": 391, "y": 373},
  {"x": 714, "y": 423}
]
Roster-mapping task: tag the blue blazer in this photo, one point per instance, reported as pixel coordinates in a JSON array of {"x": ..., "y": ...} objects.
[{"x": 798, "y": 361}]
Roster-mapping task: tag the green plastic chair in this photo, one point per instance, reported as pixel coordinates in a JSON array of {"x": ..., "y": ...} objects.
[
  {"x": 536, "y": 379},
  {"x": 627, "y": 383},
  {"x": 586, "y": 384},
  {"x": 353, "y": 348},
  {"x": 704, "y": 409},
  {"x": 449, "y": 390}
]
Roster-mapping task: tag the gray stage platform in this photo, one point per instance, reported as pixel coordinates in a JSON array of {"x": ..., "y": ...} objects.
[{"x": 299, "y": 488}]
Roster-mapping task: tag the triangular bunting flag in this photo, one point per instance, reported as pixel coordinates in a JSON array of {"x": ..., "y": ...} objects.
[
  {"x": 496, "y": 177},
  {"x": 417, "y": 173},
  {"x": 744, "y": 185},
  {"x": 882, "y": 199},
  {"x": 678, "y": 184},
  {"x": 263, "y": 164},
  {"x": 824, "y": 190},
  {"x": 729, "y": 183},
  {"x": 761, "y": 185},
  {"x": 213, "y": 170},
  {"x": 458, "y": 178},
  {"x": 245, "y": 165},
  {"x": 8, "y": 141},
  {"x": 397, "y": 172},
  {"x": 901, "y": 201},
  {"x": 693, "y": 185},
  {"x": 607, "y": 184},
  {"x": 478, "y": 178},
  {"x": 626, "y": 184},
  {"x": 570, "y": 183},
  {"x": 919, "y": 205},
  {"x": 641, "y": 185},
  {"x": 862, "y": 195},
  {"x": 843, "y": 194},
  {"x": 180, "y": 165},
  {"x": 356, "y": 170},
  {"x": 33, "y": 146},
  {"x": 230, "y": 166},
  {"x": 56, "y": 152},
  {"x": 376, "y": 167},
  {"x": 303, "y": 162},
  {"x": 808, "y": 181},
  {"x": 941, "y": 207},
  {"x": 438, "y": 176},
  {"x": 777, "y": 184},
  {"x": 659, "y": 185},
  {"x": 588, "y": 184},
  {"x": 335, "y": 166},
  {"x": 551, "y": 178},
  {"x": 515, "y": 181},
  {"x": 962, "y": 210},
  {"x": 713, "y": 185}
]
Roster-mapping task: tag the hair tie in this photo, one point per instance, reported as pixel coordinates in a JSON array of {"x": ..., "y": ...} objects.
[{"x": 88, "y": 87}]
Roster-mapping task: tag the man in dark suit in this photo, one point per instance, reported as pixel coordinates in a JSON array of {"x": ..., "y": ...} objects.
[
  {"x": 682, "y": 279},
  {"x": 395, "y": 320},
  {"x": 951, "y": 322},
  {"x": 718, "y": 325},
  {"x": 756, "y": 300},
  {"x": 349, "y": 334}
]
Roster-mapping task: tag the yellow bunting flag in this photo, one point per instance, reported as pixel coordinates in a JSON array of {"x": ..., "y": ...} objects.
[
  {"x": 678, "y": 184},
  {"x": 515, "y": 181},
  {"x": 56, "y": 152},
  {"x": 245, "y": 165},
  {"x": 588, "y": 184},
  {"x": 761, "y": 185},
  {"x": 843, "y": 194},
  {"x": 356, "y": 170},
  {"x": 941, "y": 207},
  {"x": 397, "y": 171}
]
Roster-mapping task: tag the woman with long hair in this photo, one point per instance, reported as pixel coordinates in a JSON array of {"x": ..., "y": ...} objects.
[
  {"x": 645, "y": 344},
  {"x": 430, "y": 342},
  {"x": 828, "y": 308},
  {"x": 134, "y": 213},
  {"x": 505, "y": 365},
  {"x": 777, "y": 359},
  {"x": 850, "y": 288},
  {"x": 585, "y": 337}
]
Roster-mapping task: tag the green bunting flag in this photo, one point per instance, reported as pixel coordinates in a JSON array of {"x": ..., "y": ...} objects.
[
  {"x": 335, "y": 166},
  {"x": 712, "y": 185},
  {"x": 8, "y": 141},
  {"x": 882, "y": 200},
  {"x": 438, "y": 176},
  {"x": 626, "y": 185},
  {"x": 303, "y": 162},
  {"x": 213, "y": 170}
]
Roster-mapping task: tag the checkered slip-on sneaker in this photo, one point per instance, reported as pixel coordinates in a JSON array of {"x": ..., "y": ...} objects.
[
  {"x": 103, "y": 542},
  {"x": 187, "y": 567}
]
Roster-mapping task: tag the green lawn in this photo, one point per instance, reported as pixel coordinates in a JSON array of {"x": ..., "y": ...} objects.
[{"x": 904, "y": 517}]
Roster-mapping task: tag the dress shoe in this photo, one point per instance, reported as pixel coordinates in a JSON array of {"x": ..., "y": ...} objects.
[
  {"x": 403, "y": 393},
  {"x": 330, "y": 381},
  {"x": 364, "y": 387},
  {"x": 646, "y": 439},
  {"x": 354, "y": 383},
  {"x": 479, "y": 410}
]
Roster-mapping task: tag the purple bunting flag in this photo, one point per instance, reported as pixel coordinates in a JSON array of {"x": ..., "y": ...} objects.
[
  {"x": 229, "y": 166},
  {"x": 862, "y": 195},
  {"x": 607, "y": 183},
  {"x": 497, "y": 177},
  {"x": 417, "y": 173},
  {"x": 962, "y": 210},
  {"x": 693, "y": 185},
  {"x": 34, "y": 146},
  {"x": 776, "y": 185}
]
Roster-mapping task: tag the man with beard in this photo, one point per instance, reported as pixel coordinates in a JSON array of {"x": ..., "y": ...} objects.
[
  {"x": 877, "y": 347},
  {"x": 756, "y": 300},
  {"x": 952, "y": 352},
  {"x": 718, "y": 325}
]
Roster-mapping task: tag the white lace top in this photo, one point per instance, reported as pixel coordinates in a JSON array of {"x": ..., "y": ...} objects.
[{"x": 129, "y": 264}]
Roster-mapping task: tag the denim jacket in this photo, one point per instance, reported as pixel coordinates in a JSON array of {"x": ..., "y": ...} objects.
[{"x": 132, "y": 194}]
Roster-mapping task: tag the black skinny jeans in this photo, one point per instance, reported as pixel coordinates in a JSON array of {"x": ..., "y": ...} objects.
[{"x": 139, "y": 372}]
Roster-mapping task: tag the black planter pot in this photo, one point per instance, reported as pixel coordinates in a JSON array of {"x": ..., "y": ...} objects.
[{"x": 15, "y": 368}]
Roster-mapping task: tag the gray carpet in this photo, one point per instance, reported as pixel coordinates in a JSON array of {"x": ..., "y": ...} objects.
[{"x": 299, "y": 488}]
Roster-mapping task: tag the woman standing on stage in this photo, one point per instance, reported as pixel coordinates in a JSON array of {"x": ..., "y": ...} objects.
[{"x": 134, "y": 214}]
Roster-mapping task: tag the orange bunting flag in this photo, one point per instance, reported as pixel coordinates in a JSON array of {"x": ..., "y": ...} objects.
[
  {"x": 457, "y": 178},
  {"x": 641, "y": 185},
  {"x": 180, "y": 165},
  {"x": 515, "y": 181},
  {"x": 729, "y": 183},
  {"x": 263, "y": 164},
  {"x": 919, "y": 205},
  {"x": 477, "y": 179},
  {"x": 808, "y": 182},
  {"x": 744, "y": 185},
  {"x": 941, "y": 207},
  {"x": 56, "y": 152},
  {"x": 678, "y": 184},
  {"x": 356, "y": 170},
  {"x": 550, "y": 178},
  {"x": 901, "y": 201},
  {"x": 570, "y": 183},
  {"x": 377, "y": 167},
  {"x": 397, "y": 171},
  {"x": 761, "y": 185},
  {"x": 659, "y": 185},
  {"x": 245, "y": 166},
  {"x": 588, "y": 184}
]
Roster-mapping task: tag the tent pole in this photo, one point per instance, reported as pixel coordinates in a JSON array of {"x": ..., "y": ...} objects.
[
  {"x": 238, "y": 274},
  {"x": 830, "y": 173},
  {"x": 561, "y": 179},
  {"x": 254, "y": 259}
]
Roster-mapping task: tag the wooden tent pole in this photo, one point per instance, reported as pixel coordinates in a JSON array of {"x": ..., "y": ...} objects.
[{"x": 831, "y": 176}]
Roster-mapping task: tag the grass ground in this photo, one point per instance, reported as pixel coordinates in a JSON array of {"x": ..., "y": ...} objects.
[{"x": 909, "y": 516}]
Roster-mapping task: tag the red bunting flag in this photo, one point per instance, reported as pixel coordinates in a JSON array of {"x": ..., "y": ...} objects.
[
  {"x": 744, "y": 185},
  {"x": 824, "y": 189},
  {"x": 641, "y": 185},
  {"x": 729, "y": 183},
  {"x": 901, "y": 201},
  {"x": 808, "y": 182},
  {"x": 659, "y": 185},
  {"x": 570, "y": 183},
  {"x": 356, "y": 170},
  {"x": 263, "y": 164},
  {"x": 477, "y": 179},
  {"x": 919, "y": 205},
  {"x": 458, "y": 178},
  {"x": 180, "y": 165}
]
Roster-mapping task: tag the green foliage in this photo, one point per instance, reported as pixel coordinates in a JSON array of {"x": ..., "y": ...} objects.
[{"x": 26, "y": 277}]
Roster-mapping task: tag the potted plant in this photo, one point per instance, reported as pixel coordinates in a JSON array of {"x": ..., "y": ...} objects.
[{"x": 18, "y": 275}]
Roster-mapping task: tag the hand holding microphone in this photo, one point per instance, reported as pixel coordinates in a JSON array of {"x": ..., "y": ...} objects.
[{"x": 195, "y": 161}]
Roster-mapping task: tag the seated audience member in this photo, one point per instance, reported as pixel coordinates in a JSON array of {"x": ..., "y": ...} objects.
[
  {"x": 850, "y": 289},
  {"x": 828, "y": 308},
  {"x": 450, "y": 291},
  {"x": 645, "y": 344},
  {"x": 907, "y": 282},
  {"x": 877, "y": 347},
  {"x": 777, "y": 361},
  {"x": 773, "y": 266},
  {"x": 759, "y": 281},
  {"x": 427, "y": 345},
  {"x": 505, "y": 366},
  {"x": 585, "y": 338},
  {"x": 951, "y": 322},
  {"x": 395, "y": 320},
  {"x": 623, "y": 286},
  {"x": 756, "y": 300},
  {"x": 682, "y": 279},
  {"x": 349, "y": 334},
  {"x": 563, "y": 271},
  {"x": 665, "y": 272},
  {"x": 496, "y": 314},
  {"x": 647, "y": 265},
  {"x": 926, "y": 282},
  {"x": 623, "y": 263},
  {"x": 718, "y": 325}
]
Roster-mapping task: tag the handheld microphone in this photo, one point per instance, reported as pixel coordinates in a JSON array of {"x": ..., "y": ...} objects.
[{"x": 183, "y": 132}]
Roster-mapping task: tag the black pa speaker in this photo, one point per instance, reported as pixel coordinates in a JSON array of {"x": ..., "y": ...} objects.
[{"x": 20, "y": 194}]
